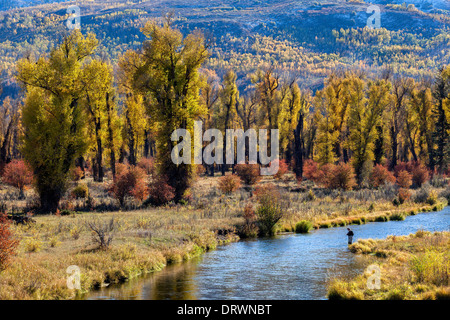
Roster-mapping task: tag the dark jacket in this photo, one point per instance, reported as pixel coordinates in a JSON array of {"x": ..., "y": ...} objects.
[{"x": 350, "y": 233}]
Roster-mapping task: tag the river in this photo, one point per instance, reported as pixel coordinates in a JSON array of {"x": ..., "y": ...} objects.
[{"x": 289, "y": 266}]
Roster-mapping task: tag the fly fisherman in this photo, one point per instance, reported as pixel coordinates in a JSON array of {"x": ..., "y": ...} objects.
[{"x": 350, "y": 236}]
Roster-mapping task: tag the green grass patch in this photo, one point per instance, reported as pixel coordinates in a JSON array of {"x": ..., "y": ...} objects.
[{"x": 303, "y": 226}]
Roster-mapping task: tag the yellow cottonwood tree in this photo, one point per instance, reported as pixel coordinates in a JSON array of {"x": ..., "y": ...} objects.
[
  {"x": 54, "y": 118},
  {"x": 169, "y": 79}
]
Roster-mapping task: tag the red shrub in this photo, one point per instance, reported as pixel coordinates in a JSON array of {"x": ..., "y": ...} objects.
[
  {"x": 229, "y": 183},
  {"x": 76, "y": 173},
  {"x": 147, "y": 164},
  {"x": 249, "y": 173},
  {"x": 404, "y": 166},
  {"x": 419, "y": 175},
  {"x": 311, "y": 170},
  {"x": 282, "y": 168},
  {"x": 341, "y": 176},
  {"x": 18, "y": 174},
  {"x": 403, "y": 195},
  {"x": 267, "y": 193},
  {"x": 8, "y": 244},
  {"x": 200, "y": 169},
  {"x": 324, "y": 175},
  {"x": 129, "y": 182},
  {"x": 381, "y": 175},
  {"x": 160, "y": 191},
  {"x": 249, "y": 213},
  {"x": 120, "y": 168},
  {"x": 140, "y": 190},
  {"x": 250, "y": 228},
  {"x": 404, "y": 179}
]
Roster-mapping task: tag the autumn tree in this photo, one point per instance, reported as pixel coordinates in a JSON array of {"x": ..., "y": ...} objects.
[
  {"x": 421, "y": 113},
  {"x": 97, "y": 90},
  {"x": 366, "y": 108},
  {"x": 9, "y": 129},
  {"x": 299, "y": 102},
  {"x": 441, "y": 93},
  {"x": 18, "y": 174},
  {"x": 209, "y": 97},
  {"x": 267, "y": 84},
  {"x": 168, "y": 77},
  {"x": 136, "y": 124},
  {"x": 226, "y": 112},
  {"x": 287, "y": 118},
  {"x": 401, "y": 88},
  {"x": 246, "y": 110},
  {"x": 55, "y": 130},
  {"x": 332, "y": 105},
  {"x": 327, "y": 135}
]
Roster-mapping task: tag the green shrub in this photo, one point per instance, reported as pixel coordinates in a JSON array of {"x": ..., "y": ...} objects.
[
  {"x": 432, "y": 198},
  {"x": 54, "y": 242},
  {"x": 431, "y": 267},
  {"x": 342, "y": 290},
  {"x": 325, "y": 225},
  {"x": 33, "y": 245},
  {"x": 249, "y": 230},
  {"x": 303, "y": 226},
  {"x": 401, "y": 293},
  {"x": 268, "y": 213},
  {"x": 311, "y": 196},
  {"x": 397, "y": 217},
  {"x": 396, "y": 202},
  {"x": 81, "y": 191},
  {"x": 66, "y": 212},
  {"x": 442, "y": 294},
  {"x": 381, "y": 219}
]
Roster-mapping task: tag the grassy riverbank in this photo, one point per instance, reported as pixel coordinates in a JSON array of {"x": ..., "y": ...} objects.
[
  {"x": 146, "y": 240},
  {"x": 414, "y": 267}
]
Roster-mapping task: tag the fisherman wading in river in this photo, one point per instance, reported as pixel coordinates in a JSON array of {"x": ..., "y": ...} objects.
[{"x": 350, "y": 236}]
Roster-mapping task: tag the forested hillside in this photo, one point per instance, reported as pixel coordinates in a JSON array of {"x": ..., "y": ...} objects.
[{"x": 303, "y": 38}]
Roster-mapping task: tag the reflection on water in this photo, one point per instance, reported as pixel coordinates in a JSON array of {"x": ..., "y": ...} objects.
[
  {"x": 172, "y": 283},
  {"x": 283, "y": 267}
]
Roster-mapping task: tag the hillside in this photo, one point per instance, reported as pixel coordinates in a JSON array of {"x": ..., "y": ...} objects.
[{"x": 303, "y": 38}]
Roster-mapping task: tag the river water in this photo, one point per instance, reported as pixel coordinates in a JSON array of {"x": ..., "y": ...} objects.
[{"x": 290, "y": 266}]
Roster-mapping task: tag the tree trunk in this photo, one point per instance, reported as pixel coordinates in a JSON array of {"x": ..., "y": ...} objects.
[
  {"x": 394, "y": 146},
  {"x": 298, "y": 150},
  {"x": 50, "y": 200},
  {"x": 146, "y": 144},
  {"x": 112, "y": 158},
  {"x": 132, "y": 155},
  {"x": 99, "y": 161}
]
